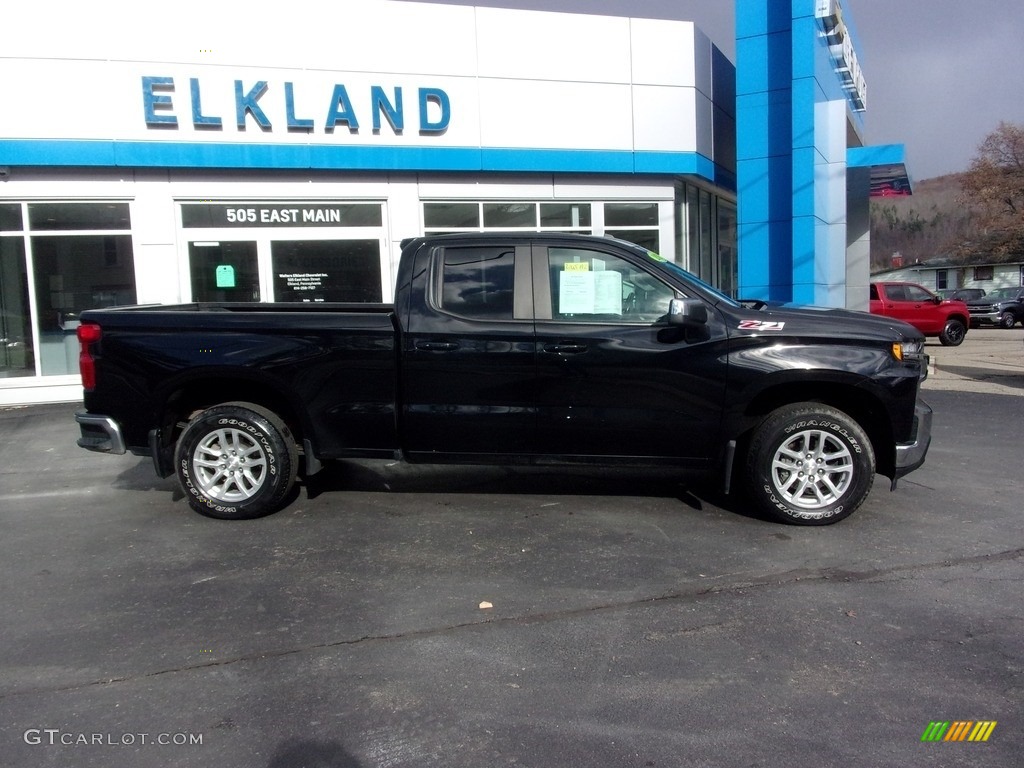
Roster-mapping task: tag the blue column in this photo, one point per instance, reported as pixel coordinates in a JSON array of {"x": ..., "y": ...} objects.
[
  {"x": 764, "y": 129},
  {"x": 792, "y": 125}
]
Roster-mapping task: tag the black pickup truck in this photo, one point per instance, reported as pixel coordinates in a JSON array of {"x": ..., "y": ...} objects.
[{"x": 512, "y": 348}]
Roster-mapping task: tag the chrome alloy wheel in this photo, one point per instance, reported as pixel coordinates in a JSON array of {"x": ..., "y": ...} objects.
[
  {"x": 812, "y": 469},
  {"x": 230, "y": 465}
]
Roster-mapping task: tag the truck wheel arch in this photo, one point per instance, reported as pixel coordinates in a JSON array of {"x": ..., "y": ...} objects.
[
  {"x": 183, "y": 400},
  {"x": 858, "y": 400}
]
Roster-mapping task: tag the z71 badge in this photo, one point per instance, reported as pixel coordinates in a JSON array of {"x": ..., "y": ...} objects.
[{"x": 760, "y": 325}]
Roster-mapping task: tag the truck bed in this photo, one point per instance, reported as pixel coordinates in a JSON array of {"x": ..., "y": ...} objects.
[{"x": 332, "y": 367}]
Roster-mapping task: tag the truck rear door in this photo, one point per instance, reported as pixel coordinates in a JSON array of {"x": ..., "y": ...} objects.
[{"x": 468, "y": 364}]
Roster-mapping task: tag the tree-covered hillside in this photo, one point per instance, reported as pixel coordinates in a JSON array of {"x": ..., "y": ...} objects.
[{"x": 930, "y": 223}]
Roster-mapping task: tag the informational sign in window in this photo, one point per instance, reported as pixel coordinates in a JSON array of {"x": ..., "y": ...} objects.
[
  {"x": 326, "y": 270},
  {"x": 582, "y": 292},
  {"x": 225, "y": 276}
]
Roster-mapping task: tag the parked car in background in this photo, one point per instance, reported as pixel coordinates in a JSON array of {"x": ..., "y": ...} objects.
[
  {"x": 1003, "y": 307},
  {"x": 915, "y": 304},
  {"x": 961, "y": 294}
]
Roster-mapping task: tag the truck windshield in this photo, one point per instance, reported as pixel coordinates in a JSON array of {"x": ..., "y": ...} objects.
[{"x": 690, "y": 278}]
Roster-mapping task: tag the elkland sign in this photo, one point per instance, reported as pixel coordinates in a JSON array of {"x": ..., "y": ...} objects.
[{"x": 161, "y": 108}]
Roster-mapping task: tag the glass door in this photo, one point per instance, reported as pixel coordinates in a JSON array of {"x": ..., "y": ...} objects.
[{"x": 224, "y": 270}]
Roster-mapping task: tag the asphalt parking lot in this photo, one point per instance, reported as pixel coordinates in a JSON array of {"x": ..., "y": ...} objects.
[{"x": 634, "y": 620}]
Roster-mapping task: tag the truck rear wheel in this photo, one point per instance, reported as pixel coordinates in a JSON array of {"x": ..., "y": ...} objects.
[
  {"x": 810, "y": 464},
  {"x": 236, "y": 461}
]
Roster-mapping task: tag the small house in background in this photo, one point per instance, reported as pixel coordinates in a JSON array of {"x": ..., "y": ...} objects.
[{"x": 942, "y": 273}]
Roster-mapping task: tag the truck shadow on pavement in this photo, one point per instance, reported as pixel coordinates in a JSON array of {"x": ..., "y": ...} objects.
[
  {"x": 987, "y": 375},
  {"x": 391, "y": 477},
  {"x": 141, "y": 477},
  {"x": 697, "y": 494}
]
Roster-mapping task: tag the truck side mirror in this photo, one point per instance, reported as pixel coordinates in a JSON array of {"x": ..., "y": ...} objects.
[{"x": 687, "y": 312}]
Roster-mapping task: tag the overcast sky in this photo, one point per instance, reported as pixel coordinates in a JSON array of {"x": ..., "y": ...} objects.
[{"x": 941, "y": 74}]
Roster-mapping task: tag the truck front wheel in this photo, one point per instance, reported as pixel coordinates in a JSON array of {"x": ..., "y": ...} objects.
[
  {"x": 953, "y": 333},
  {"x": 236, "y": 461},
  {"x": 809, "y": 464}
]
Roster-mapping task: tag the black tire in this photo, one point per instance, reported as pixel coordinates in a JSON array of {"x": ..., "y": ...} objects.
[
  {"x": 236, "y": 461},
  {"x": 809, "y": 436},
  {"x": 1007, "y": 320},
  {"x": 953, "y": 334}
]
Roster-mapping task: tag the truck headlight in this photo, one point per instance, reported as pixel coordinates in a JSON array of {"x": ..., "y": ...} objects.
[{"x": 907, "y": 350}]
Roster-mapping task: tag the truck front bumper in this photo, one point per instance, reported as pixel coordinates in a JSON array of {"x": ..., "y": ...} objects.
[
  {"x": 986, "y": 318},
  {"x": 100, "y": 433},
  {"x": 910, "y": 456}
]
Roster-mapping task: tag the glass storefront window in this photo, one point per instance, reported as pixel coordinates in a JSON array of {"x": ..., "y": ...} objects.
[
  {"x": 523, "y": 214},
  {"x": 631, "y": 214},
  {"x": 635, "y": 222},
  {"x": 708, "y": 237},
  {"x": 451, "y": 216},
  {"x": 17, "y": 357},
  {"x": 10, "y": 217},
  {"x": 692, "y": 214},
  {"x": 327, "y": 270},
  {"x": 65, "y": 216},
  {"x": 707, "y": 269},
  {"x": 65, "y": 258},
  {"x": 728, "y": 251},
  {"x": 74, "y": 273},
  {"x": 567, "y": 215},
  {"x": 224, "y": 271},
  {"x": 510, "y": 215}
]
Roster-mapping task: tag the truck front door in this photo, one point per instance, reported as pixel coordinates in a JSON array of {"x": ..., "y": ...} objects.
[
  {"x": 913, "y": 304},
  {"x": 615, "y": 379}
]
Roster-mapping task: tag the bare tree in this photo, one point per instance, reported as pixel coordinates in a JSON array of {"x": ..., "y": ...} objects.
[{"x": 994, "y": 187}]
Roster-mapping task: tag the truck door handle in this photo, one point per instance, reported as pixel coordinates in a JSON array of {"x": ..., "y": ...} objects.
[
  {"x": 436, "y": 346},
  {"x": 565, "y": 349}
]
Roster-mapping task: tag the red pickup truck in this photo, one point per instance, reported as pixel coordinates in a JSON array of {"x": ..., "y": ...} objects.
[{"x": 915, "y": 304}]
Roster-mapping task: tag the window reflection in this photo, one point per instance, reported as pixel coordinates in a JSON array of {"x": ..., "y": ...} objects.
[
  {"x": 478, "y": 282},
  {"x": 74, "y": 273},
  {"x": 17, "y": 356}
]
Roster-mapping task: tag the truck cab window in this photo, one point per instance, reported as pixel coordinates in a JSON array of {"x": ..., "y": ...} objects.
[
  {"x": 597, "y": 287},
  {"x": 917, "y": 294},
  {"x": 478, "y": 282}
]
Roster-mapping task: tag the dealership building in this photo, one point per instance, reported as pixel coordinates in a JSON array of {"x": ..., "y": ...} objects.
[{"x": 284, "y": 157}]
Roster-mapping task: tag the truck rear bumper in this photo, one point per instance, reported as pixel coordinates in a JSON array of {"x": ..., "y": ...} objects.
[
  {"x": 910, "y": 456},
  {"x": 100, "y": 433}
]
